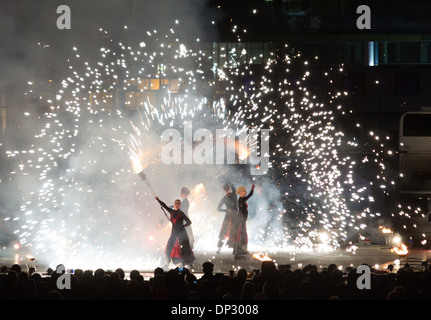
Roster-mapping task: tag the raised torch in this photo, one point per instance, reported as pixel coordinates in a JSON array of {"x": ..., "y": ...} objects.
[{"x": 144, "y": 177}]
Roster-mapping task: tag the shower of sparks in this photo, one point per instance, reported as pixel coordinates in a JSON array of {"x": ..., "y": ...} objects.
[{"x": 82, "y": 204}]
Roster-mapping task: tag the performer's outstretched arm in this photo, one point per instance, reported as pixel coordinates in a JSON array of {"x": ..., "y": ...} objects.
[
  {"x": 250, "y": 194},
  {"x": 164, "y": 205}
]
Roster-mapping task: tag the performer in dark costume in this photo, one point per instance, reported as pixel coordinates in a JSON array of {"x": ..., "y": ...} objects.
[
  {"x": 185, "y": 205},
  {"x": 230, "y": 203},
  {"x": 241, "y": 238},
  {"x": 178, "y": 245}
]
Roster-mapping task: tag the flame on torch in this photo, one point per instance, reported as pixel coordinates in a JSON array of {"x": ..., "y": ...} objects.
[
  {"x": 136, "y": 162},
  {"x": 141, "y": 152}
]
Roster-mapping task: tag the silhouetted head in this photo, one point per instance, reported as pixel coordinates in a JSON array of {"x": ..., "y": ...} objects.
[
  {"x": 184, "y": 192},
  {"x": 226, "y": 188}
]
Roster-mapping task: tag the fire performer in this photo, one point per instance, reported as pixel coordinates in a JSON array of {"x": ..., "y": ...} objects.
[
  {"x": 230, "y": 203},
  {"x": 185, "y": 205},
  {"x": 241, "y": 239},
  {"x": 178, "y": 245}
]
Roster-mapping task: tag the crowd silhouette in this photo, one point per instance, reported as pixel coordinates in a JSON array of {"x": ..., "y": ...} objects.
[{"x": 268, "y": 283}]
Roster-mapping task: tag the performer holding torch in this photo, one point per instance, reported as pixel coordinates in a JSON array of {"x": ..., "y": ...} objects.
[
  {"x": 178, "y": 245},
  {"x": 241, "y": 239}
]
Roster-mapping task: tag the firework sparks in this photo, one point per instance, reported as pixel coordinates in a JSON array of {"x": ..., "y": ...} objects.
[{"x": 78, "y": 156}]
